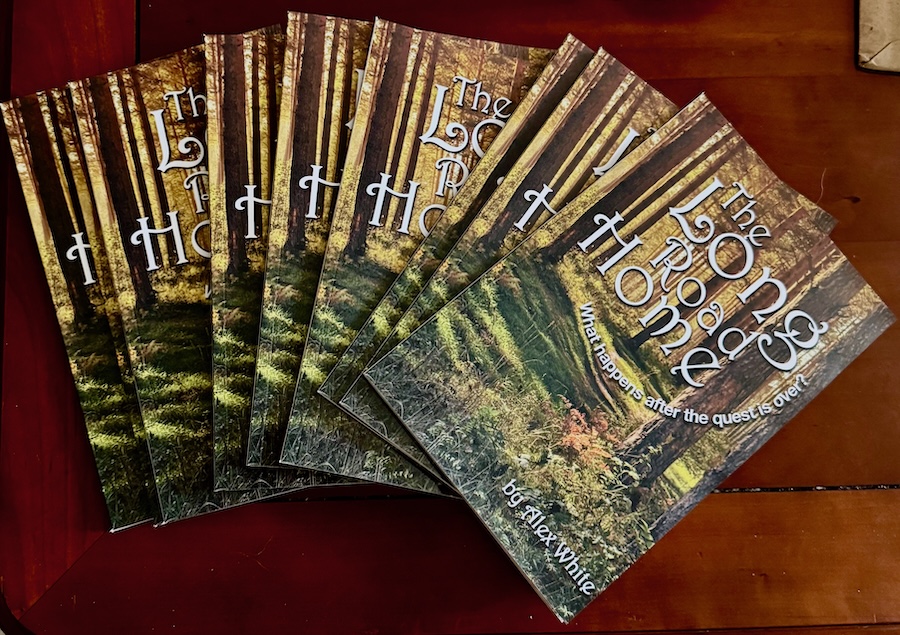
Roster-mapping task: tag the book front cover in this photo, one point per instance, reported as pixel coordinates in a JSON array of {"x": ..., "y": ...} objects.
[
  {"x": 605, "y": 114},
  {"x": 243, "y": 82},
  {"x": 243, "y": 77},
  {"x": 54, "y": 181},
  {"x": 492, "y": 169},
  {"x": 429, "y": 106},
  {"x": 324, "y": 59},
  {"x": 593, "y": 386},
  {"x": 143, "y": 131},
  {"x": 551, "y": 86}
]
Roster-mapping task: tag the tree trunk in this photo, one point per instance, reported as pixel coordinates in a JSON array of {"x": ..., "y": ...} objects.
[
  {"x": 802, "y": 269},
  {"x": 556, "y": 153},
  {"x": 234, "y": 140},
  {"x": 380, "y": 128},
  {"x": 138, "y": 158},
  {"x": 410, "y": 170},
  {"x": 641, "y": 179},
  {"x": 149, "y": 136},
  {"x": 255, "y": 174},
  {"x": 306, "y": 121},
  {"x": 121, "y": 192},
  {"x": 348, "y": 107},
  {"x": 625, "y": 118},
  {"x": 396, "y": 152},
  {"x": 53, "y": 201},
  {"x": 730, "y": 387},
  {"x": 819, "y": 373},
  {"x": 325, "y": 139},
  {"x": 274, "y": 65}
]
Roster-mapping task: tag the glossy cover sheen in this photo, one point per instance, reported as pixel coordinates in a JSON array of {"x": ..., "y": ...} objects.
[
  {"x": 552, "y": 84},
  {"x": 605, "y": 114},
  {"x": 323, "y": 59},
  {"x": 243, "y": 81},
  {"x": 491, "y": 170}
]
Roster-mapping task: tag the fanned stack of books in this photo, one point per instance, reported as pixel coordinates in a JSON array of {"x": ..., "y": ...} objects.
[{"x": 363, "y": 251}]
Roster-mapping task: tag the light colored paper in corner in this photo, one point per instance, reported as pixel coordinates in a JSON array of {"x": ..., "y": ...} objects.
[{"x": 879, "y": 35}]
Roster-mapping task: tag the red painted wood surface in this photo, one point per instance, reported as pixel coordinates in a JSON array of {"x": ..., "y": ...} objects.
[
  {"x": 50, "y": 508},
  {"x": 410, "y": 566},
  {"x": 784, "y": 74}
]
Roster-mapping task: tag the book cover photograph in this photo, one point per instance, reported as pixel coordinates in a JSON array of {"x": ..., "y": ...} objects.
[
  {"x": 142, "y": 132},
  {"x": 556, "y": 78},
  {"x": 429, "y": 106},
  {"x": 606, "y": 113},
  {"x": 545, "y": 94},
  {"x": 323, "y": 61},
  {"x": 243, "y": 76},
  {"x": 53, "y": 175},
  {"x": 588, "y": 390},
  {"x": 424, "y": 302}
]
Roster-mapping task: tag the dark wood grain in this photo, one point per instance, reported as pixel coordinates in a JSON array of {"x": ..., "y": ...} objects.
[
  {"x": 51, "y": 505},
  {"x": 7, "y": 186},
  {"x": 54, "y": 42},
  {"x": 812, "y": 561},
  {"x": 399, "y": 566}
]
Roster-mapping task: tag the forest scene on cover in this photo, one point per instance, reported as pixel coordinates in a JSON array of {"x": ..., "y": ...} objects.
[
  {"x": 592, "y": 387},
  {"x": 606, "y": 113},
  {"x": 323, "y": 59},
  {"x": 243, "y": 78},
  {"x": 556, "y": 78},
  {"x": 142, "y": 130},
  {"x": 429, "y": 105},
  {"x": 545, "y": 94},
  {"x": 50, "y": 162}
]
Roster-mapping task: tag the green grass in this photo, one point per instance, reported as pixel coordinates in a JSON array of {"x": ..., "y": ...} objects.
[
  {"x": 112, "y": 418},
  {"x": 173, "y": 376},
  {"x": 510, "y": 393},
  {"x": 282, "y": 330}
]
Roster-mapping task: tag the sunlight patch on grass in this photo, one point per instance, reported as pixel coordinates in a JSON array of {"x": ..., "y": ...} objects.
[{"x": 681, "y": 477}]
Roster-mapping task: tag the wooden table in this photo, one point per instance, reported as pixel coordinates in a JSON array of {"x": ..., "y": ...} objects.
[{"x": 806, "y": 537}]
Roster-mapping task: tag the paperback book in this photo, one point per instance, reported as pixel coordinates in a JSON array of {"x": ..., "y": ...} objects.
[
  {"x": 429, "y": 106},
  {"x": 324, "y": 58},
  {"x": 142, "y": 132},
  {"x": 243, "y": 77},
  {"x": 616, "y": 366},
  {"x": 320, "y": 85},
  {"x": 243, "y": 81},
  {"x": 551, "y": 86},
  {"x": 52, "y": 171},
  {"x": 605, "y": 113},
  {"x": 546, "y": 93}
]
